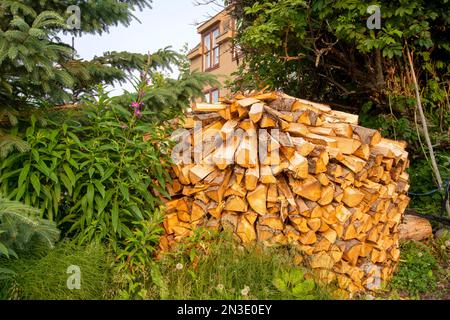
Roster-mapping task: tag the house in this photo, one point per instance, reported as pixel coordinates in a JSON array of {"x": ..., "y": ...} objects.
[{"x": 215, "y": 53}]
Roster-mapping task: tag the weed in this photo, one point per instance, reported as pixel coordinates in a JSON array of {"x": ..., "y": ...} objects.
[
  {"x": 223, "y": 269},
  {"x": 418, "y": 270}
]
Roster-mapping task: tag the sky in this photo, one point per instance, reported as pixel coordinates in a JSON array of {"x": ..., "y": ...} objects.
[{"x": 168, "y": 23}]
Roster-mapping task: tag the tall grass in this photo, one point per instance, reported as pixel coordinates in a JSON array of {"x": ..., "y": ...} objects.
[
  {"x": 45, "y": 277},
  {"x": 222, "y": 270}
]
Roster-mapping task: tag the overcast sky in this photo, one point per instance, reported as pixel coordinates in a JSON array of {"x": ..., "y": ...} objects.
[{"x": 169, "y": 23}]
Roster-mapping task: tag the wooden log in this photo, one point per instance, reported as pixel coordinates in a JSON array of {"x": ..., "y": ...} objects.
[
  {"x": 367, "y": 136},
  {"x": 199, "y": 172},
  {"x": 258, "y": 198},
  {"x": 415, "y": 228},
  {"x": 247, "y": 153},
  {"x": 237, "y": 204},
  {"x": 247, "y": 102},
  {"x": 256, "y": 112},
  {"x": 208, "y": 107},
  {"x": 268, "y": 121},
  {"x": 309, "y": 188}
]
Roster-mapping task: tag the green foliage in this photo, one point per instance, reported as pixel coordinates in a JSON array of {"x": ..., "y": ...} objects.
[
  {"x": 141, "y": 246},
  {"x": 417, "y": 271},
  {"x": 293, "y": 283},
  {"x": 37, "y": 69},
  {"x": 323, "y": 50},
  {"x": 211, "y": 266},
  {"x": 98, "y": 16},
  {"x": 27, "y": 56},
  {"x": 421, "y": 181},
  {"x": 93, "y": 174},
  {"x": 90, "y": 169},
  {"x": 22, "y": 229},
  {"x": 45, "y": 277}
]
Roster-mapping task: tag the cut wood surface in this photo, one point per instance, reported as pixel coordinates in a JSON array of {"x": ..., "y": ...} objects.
[
  {"x": 281, "y": 170},
  {"x": 415, "y": 228}
]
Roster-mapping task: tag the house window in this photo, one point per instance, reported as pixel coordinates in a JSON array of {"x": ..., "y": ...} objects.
[
  {"x": 212, "y": 96},
  {"x": 211, "y": 49}
]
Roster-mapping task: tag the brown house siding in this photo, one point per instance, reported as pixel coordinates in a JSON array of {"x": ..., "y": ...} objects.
[{"x": 227, "y": 65}]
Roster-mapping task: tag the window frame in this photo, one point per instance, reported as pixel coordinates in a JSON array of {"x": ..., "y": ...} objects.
[
  {"x": 210, "y": 93},
  {"x": 212, "y": 49}
]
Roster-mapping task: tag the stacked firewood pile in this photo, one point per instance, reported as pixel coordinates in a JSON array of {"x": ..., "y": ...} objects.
[{"x": 280, "y": 170}]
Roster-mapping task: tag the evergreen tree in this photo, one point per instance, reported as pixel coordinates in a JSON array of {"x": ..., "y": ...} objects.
[
  {"x": 21, "y": 228},
  {"x": 37, "y": 68}
]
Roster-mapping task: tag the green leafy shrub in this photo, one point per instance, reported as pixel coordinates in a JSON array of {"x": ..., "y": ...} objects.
[
  {"x": 98, "y": 168},
  {"x": 45, "y": 277},
  {"x": 94, "y": 174},
  {"x": 136, "y": 256},
  {"x": 417, "y": 270}
]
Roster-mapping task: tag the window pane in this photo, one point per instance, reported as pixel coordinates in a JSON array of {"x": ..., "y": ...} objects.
[
  {"x": 215, "y": 35},
  {"x": 216, "y": 56},
  {"x": 207, "y": 42},
  {"x": 208, "y": 98},
  {"x": 215, "y": 96},
  {"x": 208, "y": 60}
]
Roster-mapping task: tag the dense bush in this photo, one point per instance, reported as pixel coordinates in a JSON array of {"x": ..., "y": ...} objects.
[
  {"x": 92, "y": 174},
  {"x": 99, "y": 167}
]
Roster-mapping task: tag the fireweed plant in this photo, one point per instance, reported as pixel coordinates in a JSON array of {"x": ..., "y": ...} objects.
[{"x": 99, "y": 170}]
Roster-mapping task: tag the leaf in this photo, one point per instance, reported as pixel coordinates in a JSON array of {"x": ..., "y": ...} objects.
[
  {"x": 125, "y": 192},
  {"x": 4, "y": 250},
  {"x": 296, "y": 276},
  {"x": 21, "y": 191},
  {"x": 24, "y": 174},
  {"x": 100, "y": 169},
  {"x": 279, "y": 284},
  {"x": 115, "y": 216},
  {"x": 70, "y": 174},
  {"x": 35, "y": 155},
  {"x": 303, "y": 288},
  {"x": 66, "y": 181},
  {"x": 36, "y": 183},
  {"x": 100, "y": 188},
  {"x": 90, "y": 195},
  {"x": 75, "y": 139},
  {"x": 91, "y": 172},
  {"x": 42, "y": 166},
  {"x": 137, "y": 212},
  {"x": 108, "y": 173}
]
